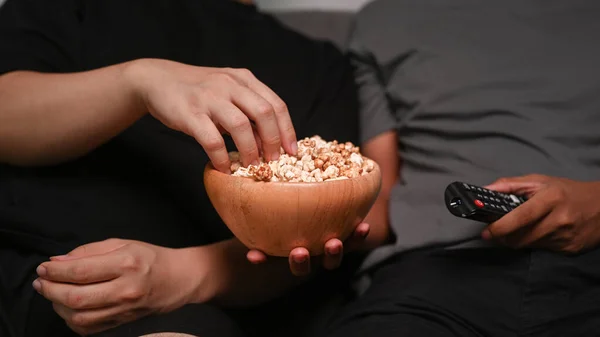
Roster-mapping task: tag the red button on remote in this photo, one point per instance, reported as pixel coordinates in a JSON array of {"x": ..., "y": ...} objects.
[{"x": 478, "y": 203}]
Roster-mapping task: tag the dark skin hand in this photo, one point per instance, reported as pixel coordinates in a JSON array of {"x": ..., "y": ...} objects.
[
  {"x": 300, "y": 260},
  {"x": 560, "y": 214}
]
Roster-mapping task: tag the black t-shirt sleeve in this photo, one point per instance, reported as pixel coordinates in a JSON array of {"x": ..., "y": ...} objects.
[
  {"x": 334, "y": 114},
  {"x": 39, "y": 35}
]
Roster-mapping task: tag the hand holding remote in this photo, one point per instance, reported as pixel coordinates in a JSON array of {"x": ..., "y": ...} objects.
[{"x": 560, "y": 214}]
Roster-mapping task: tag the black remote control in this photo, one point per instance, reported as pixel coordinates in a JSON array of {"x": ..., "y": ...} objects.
[{"x": 478, "y": 203}]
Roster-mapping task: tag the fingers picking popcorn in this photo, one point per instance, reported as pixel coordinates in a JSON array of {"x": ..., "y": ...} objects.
[{"x": 316, "y": 161}]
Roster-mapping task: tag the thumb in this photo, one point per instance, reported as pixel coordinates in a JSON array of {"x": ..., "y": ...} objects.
[
  {"x": 94, "y": 248},
  {"x": 524, "y": 185}
]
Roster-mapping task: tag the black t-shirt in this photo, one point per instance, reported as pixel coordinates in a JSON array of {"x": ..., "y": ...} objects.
[{"x": 147, "y": 183}]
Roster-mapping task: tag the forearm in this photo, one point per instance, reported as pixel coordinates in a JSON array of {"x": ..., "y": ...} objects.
[
  {"x": 378, "y": 220},
  {"x": 233, "y": 281},
  {"x": 383, "y": 149},
  {"x": 50, "y": 118}
]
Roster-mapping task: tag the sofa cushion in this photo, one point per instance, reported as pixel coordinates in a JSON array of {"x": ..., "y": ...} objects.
[{"x": 321, "y": 24}]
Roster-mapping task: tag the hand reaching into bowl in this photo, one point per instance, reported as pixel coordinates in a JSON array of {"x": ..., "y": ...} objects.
[
  {"x": 208, "y": 102},
  {"x": 299, "y": 258}
]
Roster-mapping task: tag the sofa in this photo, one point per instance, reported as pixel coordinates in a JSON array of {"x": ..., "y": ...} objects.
[{"x": 320, "y": 24}]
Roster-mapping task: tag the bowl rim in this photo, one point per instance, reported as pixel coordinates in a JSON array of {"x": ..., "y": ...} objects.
[{"x": 210, "y": 167}]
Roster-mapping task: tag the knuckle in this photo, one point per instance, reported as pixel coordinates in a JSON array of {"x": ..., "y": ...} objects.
[
  {"x": 80, "y": 320},
  {"x": 130, "y": 263},
  {"x": 572, "y": 248},
  {"x": 221, "y": 163},
  {"x": 280, "y": 107},
  {"x": 216, "y": 79},
  {"x": 251, "y": 152},
  {"x": 273, "y": 140},
  {"x": 113, "y": 241},
  {"x": 80, "y": 272},
  {"x": 565, "y": 219},
  {"x": 559, "y": 191},
  {"x": 264, "y": 110},
  {"x": 556, "y": 195},
  {"x": 226, "y": 78},
  {"x": 244, "y": 72},
  {"x": 132, "y": 294},
  {"x": 569, "y": 236},
  {"x": 193, "y": 100},
  {"x": 213, "y": 143},
  {"x": 202, "y": 94},
  {"x": 240, "y": 123},
  {"x": 74, "y": 300},
  {"x": 129, "y": 316},
  {"x": 502, "y": 180}
]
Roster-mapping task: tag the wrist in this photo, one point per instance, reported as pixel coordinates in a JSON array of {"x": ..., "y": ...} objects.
[
  {"x": 193, "y": 269},
  {"x": 134, "y": 75},
  {"x": 208, "y": 269}
]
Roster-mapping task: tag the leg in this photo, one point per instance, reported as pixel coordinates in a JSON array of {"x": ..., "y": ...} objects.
[
  {"x": 440, "y": 293},
  {"x": 304, "y": 310},
  {"x": 563, "y": 298}
]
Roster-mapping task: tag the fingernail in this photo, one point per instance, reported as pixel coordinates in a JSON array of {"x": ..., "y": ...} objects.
[
  {"x": 41, "y": 271},
  {"x": 294, "y": 147},
  {"x": 486, "y": 235},
  {"x": 255, "y": 162},
  {"x": 300, "y": 258},
  {"x": 275, "y": 156},
  {"x": 59, "y": 257},
  {"x": 334, "y": 250},
  {"x": 37, "y": 285}
]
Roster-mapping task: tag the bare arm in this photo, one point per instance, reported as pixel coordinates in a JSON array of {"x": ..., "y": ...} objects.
[
  {"x": 383, "y": 149},
  {"x": 50, "y": 118}
]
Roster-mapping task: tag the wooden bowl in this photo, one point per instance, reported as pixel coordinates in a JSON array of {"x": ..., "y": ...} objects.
[{"x": 276, "y": 217}]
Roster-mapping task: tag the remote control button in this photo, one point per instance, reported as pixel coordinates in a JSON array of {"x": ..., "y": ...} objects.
[
  {"x": 515, "y": 199},
  {"x": 478, "y": 203}
]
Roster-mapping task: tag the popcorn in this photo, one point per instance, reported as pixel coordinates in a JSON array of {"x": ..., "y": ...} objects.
[{"x": 317, "y": 161}]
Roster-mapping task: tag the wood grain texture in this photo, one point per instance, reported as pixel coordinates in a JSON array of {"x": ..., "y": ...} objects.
[{"x": 276, "y": 217}]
